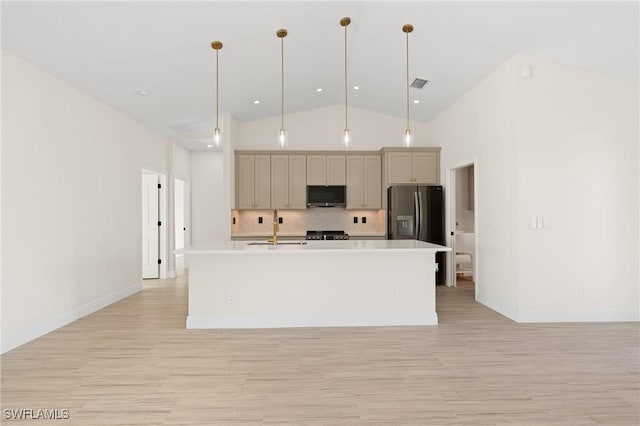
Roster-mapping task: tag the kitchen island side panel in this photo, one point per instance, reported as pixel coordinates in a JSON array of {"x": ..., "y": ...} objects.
[{"x": 302, "y": 289}]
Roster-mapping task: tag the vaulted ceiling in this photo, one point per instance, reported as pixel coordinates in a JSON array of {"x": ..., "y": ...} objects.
[{"x": 112, "y": 50}]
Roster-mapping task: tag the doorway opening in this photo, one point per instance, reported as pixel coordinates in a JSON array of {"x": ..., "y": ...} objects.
[
  {"x": 154, "y": 236},
  {"x": 462, "y": 222}
]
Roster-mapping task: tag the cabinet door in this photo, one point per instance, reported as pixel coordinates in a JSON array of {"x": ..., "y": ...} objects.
[
  {"x": 316, "y": 169},
  {"x": 355, "y": 184},
  {"x": 399, "y": 166},
  {"x": 297, "y": 181},
  {"x": 246, "y": 182},
  {"x": 372, "y": 182},
  {"x": 262, "y": 181},
  {"x": 279, "y": 181},
  {"x": 336, "y": 170},
  {"x": 425, "y": 167}
]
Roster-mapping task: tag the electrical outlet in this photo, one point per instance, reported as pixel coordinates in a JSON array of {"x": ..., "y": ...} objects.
[
  {"x": 230, "y": 297},
  {"x": 259, "y": 219},
  {"x": 355, "y": 219},
  {"x": 280, "y": 220},
  {"x": 234, "y": 220},
  {"x": 364, "y": 219}
]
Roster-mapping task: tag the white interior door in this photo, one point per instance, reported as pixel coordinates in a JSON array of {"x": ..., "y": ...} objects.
[
  {"x": 150, "y": 228},
  {"x": 179, "y": 210}
]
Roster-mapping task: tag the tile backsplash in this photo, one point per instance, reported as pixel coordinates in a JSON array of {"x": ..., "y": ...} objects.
[{"x": 297, "y": 222}]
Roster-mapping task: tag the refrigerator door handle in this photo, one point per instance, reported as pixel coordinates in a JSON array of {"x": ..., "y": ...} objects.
[
  {"x": 418, "y": 211},
  {"x": 421, "y": 215}
]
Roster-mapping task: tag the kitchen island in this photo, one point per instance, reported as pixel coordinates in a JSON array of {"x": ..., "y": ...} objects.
[{"x": 239, "y": 284}]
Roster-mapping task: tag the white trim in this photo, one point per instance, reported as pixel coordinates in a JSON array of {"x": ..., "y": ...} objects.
[
  {"x": 285, "y": 321},
  {"x": 578, "y": 315},
  {"x": 33, "y": 332}
]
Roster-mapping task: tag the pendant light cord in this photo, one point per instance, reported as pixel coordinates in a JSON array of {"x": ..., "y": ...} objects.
[
  {"x": 217, "y": 92},
  {"x": 346, "y": 125},
  {"x": 282, "y": 92},
  {"x": 407, "y": 81}
]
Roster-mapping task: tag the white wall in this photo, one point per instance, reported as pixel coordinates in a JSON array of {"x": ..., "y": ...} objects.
[
  {"x": 321, "y": 129},
  {"x": 562, "y": 145},
  {"x": 210, "y": 210},
  {"x": 480, "y": 126},
  {"x": 577, "y": 162},
  {"x": 210, "y": 193},
  {"x": 180, "y": 162},
  {"x": 71, "y": 210}
]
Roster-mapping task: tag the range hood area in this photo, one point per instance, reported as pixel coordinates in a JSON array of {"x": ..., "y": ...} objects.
[{"x": 326, "y": 196}]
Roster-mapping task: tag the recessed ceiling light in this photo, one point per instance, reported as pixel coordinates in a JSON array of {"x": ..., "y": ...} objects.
[
  {"x": 142, "y": 92},
  {"x": 416, "y": 101},
  {"x": 356, "y": 87},
  {"x": 319, "y": 89},
  {"x": 256, "y": 102},
  {"x": 209, "y": 146}
]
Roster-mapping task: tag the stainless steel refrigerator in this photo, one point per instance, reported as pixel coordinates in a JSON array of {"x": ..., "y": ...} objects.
[{"x": 417, "y": 213}]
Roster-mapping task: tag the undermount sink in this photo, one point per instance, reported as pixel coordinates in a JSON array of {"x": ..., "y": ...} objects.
[{"x": 280, "y": 243}]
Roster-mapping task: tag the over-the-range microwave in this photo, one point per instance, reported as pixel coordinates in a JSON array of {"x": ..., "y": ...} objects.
[{"x": 326, "y": 196}]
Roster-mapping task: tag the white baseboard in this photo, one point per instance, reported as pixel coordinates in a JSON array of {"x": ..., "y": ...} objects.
[
  {"x": 171, "y": 273},
  {"x": 499, "y": 309},
  {"x": 278, "y": 321},
  {"x": 582, "y": 315},
  {"x": 30, "y": 333}
]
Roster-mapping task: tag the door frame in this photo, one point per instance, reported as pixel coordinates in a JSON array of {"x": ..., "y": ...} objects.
[
  {"x": 162, "y": 217},
  {"x": 451, "y": 222}
]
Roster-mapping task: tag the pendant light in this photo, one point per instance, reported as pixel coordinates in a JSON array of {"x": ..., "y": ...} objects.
[
  {"x": 346, "y": 136},
  {"x": 282, "y": 134},
  {"x": 407, "y": 139},
  {"x": 217, "y": 137}
]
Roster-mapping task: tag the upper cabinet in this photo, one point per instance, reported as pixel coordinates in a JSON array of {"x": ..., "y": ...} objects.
[
  {"x": 363, "y": 181},
  {"x": 426, "y": 167},
  {"x": 289, "y": 181},
  {"x": 253, "y": 181},
  {"x": 412, "y": 165},
  {"x": 326, "y": 170},
  {"x": 279, "y": 179}
]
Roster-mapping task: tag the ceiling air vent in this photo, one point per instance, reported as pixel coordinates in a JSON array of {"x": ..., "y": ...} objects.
[{"x": 419, "y": 83}]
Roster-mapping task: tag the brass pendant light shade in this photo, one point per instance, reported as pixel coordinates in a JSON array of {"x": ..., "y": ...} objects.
[
  {"x": 282, "y": 134},
  {"x": 217, "y": 136}
]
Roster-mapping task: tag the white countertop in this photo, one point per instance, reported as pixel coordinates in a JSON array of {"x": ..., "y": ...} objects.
[
  {"x": 257, "y": 236},
  {"x": 314, "y": 246}
]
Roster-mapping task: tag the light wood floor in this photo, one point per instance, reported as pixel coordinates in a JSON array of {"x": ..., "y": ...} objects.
[{"x": 134, "y": 363}]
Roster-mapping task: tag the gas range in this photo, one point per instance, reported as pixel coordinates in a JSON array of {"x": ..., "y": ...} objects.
[{"x": 327, "y": 235}]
